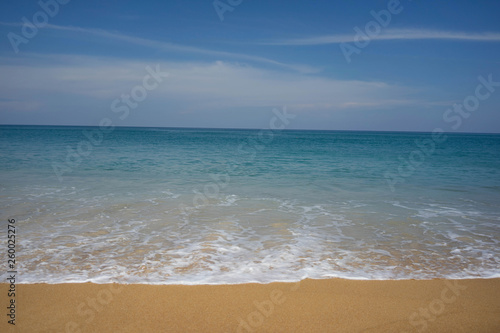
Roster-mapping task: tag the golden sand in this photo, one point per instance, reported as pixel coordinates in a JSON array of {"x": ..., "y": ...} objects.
[{"x": 333, "y": 305}]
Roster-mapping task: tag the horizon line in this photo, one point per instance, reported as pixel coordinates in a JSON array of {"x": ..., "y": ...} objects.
[{"x": 256, "y": 129}]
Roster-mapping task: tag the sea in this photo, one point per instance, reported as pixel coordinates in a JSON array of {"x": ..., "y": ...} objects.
[{"x": 228, "y": 206}]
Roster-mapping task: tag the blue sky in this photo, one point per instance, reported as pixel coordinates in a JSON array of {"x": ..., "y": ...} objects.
[{"x": 419, "y": 59}]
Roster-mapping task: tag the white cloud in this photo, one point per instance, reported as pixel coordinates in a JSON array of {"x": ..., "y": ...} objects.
[
  {"x": 231, "y": 85},
  {"x": 393, "y": 34},
  {"x": 173, "y": 47},
  {"x": 193, "y": 85}
]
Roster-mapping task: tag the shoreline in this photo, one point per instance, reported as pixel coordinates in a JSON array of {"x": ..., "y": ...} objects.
[
  {"x": 325, "y": 305},
  {"x": 202, "y": 284}
]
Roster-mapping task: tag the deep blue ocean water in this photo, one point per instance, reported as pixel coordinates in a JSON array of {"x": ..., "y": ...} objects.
[{"x": 192, "y": 206}]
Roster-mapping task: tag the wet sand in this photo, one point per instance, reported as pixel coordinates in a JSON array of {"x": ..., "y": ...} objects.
[{"x": 333, "y": 305}]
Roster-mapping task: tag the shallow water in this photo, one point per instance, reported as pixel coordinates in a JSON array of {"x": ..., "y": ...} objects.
[{"x": 193, "y": 206}]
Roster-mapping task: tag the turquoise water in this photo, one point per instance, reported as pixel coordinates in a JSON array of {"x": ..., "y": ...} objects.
[{"x": 193, "y": 206}]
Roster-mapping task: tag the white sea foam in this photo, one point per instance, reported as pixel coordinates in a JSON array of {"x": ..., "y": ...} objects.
[{"x": 239, "y": 240}]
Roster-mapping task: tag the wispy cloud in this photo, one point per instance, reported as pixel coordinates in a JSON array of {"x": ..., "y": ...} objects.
[
  {"x": 166, "y": 46},
  {"x": 393, "y": 34},
  {"x": 193, "y": 85},
  {"x": 173, "y": 47}
]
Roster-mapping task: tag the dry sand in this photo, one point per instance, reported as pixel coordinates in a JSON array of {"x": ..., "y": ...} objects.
[{"x": 334, "y": 305}]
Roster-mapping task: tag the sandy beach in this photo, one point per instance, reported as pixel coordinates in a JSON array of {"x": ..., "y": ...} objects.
[{"x": 333, "y": 305}]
